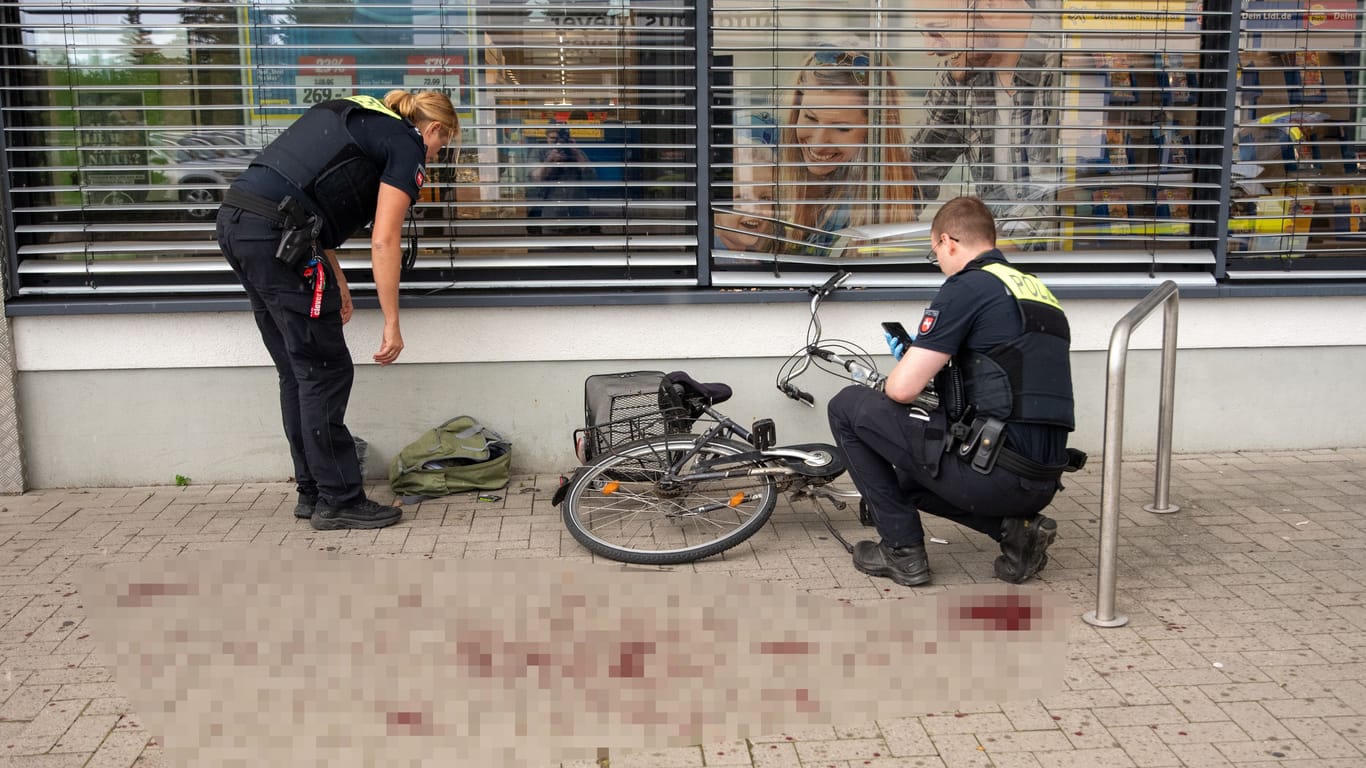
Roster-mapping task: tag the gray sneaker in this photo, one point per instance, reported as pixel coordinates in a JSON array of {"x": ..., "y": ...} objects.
[{"x": 362, "y": 514}]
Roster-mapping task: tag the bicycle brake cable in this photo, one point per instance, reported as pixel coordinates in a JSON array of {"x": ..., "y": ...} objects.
[{"x": 813, "y": 328}]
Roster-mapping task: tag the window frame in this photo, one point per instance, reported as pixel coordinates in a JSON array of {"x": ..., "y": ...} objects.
[{"x": 680, "y": 275}]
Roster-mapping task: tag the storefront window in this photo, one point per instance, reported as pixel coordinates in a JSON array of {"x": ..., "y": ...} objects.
[
  {"x": 121, "y": 130},
  {"x": 593, "y": 163},
  {"x": 1298, "y": 202},
  {"x": 1079, "y": 122},
  {"x": 1119, "y": 142},
  {"x": 577, "y": 162}
]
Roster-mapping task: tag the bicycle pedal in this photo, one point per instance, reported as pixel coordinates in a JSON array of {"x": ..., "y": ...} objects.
[{"x": 763, "y": 434}]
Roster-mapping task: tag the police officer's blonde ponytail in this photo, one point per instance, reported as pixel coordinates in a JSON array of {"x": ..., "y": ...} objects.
[{"x": 424, "y": 107}]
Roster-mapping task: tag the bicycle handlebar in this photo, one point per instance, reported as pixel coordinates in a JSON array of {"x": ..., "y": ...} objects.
[
  {"x": 857, "y": 371},
  {"x": 835, "y": 281},
  {"x": 928, "y": 399},
  {"x": 793, "y": 392},
  {"x": 859, "y": 365}
]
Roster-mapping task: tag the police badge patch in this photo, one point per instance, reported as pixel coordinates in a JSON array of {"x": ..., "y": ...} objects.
[
  {"x": 927, "y": 322},
  {"x": 421, "y": 176}
]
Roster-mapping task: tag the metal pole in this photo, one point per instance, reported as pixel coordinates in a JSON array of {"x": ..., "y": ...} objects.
[
  {"x": 1104, "y": 615},
  {"x": 1161, "y": 503}
]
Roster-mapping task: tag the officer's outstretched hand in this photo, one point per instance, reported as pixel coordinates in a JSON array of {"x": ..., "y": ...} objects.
[
  {"x": 391, "y": 346},
  {"x": 894, "y": 344}
]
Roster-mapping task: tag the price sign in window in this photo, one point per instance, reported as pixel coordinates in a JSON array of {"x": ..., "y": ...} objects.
[
  {"x": 322, "y": 78},
  {"x": 435, "y": 73}
]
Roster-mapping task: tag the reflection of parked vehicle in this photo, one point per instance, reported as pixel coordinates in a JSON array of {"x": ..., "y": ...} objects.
[
  {"x": 1286, "y": 142},
  {"x": 199, "y": 166}
]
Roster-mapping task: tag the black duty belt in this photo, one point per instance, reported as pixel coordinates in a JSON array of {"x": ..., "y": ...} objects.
[
  {"x": 263, "y": 207},
  {"x": 982, "y": 445},
  {"x": 1029, "y": 469}
]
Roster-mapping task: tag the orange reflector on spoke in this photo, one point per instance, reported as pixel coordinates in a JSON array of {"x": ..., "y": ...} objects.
[
  {"x": 610, "y": 488},
  {"x": 737, "y": 500}
]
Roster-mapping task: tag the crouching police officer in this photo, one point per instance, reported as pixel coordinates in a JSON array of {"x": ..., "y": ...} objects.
[
  {"x": 341, "y": 165},
  {"x": 993, "y": 345}
]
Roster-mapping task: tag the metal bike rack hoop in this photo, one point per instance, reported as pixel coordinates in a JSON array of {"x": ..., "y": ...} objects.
[{"x": 1165, "y": 295}]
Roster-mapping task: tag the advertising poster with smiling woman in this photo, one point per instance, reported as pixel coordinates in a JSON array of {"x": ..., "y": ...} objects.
[
  {"x": 869, "y": 131},
  {"x": 821, "y": 151},
  {"x": 842, "y": 151},
  {"x": 851, "y": 126}
]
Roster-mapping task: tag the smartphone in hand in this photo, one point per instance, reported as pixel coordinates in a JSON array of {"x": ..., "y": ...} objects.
[{"x": 898, "y": 332}]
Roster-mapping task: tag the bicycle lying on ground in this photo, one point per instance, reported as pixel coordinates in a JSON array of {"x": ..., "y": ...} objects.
[{"x": 682, "y": 496}]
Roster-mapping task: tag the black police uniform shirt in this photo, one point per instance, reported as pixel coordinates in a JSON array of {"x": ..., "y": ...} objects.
[
  {"x": 975, "y": 311},
  {"x": 388, "y": 142}
]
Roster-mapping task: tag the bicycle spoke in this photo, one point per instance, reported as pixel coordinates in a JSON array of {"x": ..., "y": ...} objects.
[
  {"x": 718, "y": 524},
  {"x": 619, "y": 512},
  {"x": 632, "y": 508}
]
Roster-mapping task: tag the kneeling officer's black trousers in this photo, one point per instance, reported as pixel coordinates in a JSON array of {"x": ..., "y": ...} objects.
[{"x": 899, "y": 465}]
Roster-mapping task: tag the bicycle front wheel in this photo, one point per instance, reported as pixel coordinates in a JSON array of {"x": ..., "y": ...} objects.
[{"x": 622, "y": 508}]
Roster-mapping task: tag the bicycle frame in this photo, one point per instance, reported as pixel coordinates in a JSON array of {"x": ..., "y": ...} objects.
[{"x": 726, "y": 426}]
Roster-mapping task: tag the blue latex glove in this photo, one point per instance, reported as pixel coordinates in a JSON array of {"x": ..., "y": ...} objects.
[{"x": 894, "y": 344}]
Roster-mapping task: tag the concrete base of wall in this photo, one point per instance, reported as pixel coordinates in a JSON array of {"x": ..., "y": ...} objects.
[{"x": 144, "y": 427}]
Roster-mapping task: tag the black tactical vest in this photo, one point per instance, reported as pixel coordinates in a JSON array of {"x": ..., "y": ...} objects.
[
  {"x": 318, "y": 154},
  {"x": 1027, "y": 380}
]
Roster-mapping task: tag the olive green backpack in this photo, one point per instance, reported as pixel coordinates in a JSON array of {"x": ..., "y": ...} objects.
[{"x": 460, "y": 455}]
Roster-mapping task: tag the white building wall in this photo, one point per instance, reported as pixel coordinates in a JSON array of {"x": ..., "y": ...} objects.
[{"x": 138, "y": 399}]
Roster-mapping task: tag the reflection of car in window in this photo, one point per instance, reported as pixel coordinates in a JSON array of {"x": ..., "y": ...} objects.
[
  {"x": 198, "y": 167},
  {"x": 1286, "y": 142}
]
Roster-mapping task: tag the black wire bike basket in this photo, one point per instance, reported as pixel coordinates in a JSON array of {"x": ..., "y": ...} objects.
[{"x": 619, "y": 408}]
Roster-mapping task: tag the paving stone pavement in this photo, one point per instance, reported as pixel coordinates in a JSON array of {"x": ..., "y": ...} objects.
[{"x": 1246, "y": 641}]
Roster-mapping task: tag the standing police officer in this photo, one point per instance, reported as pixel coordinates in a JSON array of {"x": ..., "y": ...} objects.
[
  {"x": 341, "y": 165},
  {"x": 994, "y": 345}
]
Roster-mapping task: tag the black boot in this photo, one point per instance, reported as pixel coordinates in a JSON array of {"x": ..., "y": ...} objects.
[
  {"x": 362, "y": 514},
  {"x": 907, "y": 566},
  {"x": 307, "y": 503},
  {"x": 1024, "y": 547}
]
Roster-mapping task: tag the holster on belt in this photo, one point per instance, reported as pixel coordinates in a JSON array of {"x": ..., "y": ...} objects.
[
  {"x": 960, "y": 429},
  {"x": 982, "y": 444},
  {"x": 299, "y": 228},
  {"x": 300, "y": 235}
]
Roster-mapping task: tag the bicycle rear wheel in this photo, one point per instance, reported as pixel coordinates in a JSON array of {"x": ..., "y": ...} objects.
[{"x": 618, "y": 508}]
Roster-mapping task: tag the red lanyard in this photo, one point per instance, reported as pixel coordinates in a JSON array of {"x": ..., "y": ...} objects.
[{"x": 315, "y": 271}]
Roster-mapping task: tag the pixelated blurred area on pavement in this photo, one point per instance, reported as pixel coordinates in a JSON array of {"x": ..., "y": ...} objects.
[{"x": 205, "y": 625}]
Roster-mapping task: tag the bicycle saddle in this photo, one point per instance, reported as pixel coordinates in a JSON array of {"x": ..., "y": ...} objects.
[{"x": 691, "y": 389}]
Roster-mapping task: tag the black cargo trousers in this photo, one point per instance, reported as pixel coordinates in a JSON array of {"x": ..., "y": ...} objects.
[
  {"x": 899, "y": 465},
  {"x": 310, "y": 356}
]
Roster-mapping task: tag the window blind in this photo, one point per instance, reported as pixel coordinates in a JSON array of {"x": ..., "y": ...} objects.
[
  {"x": 577, "y": 165},
  {"x": 1092, "y": 128},
  {"x": 1119, "y": 142},
  {"x": 1298, "y": 201}
]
